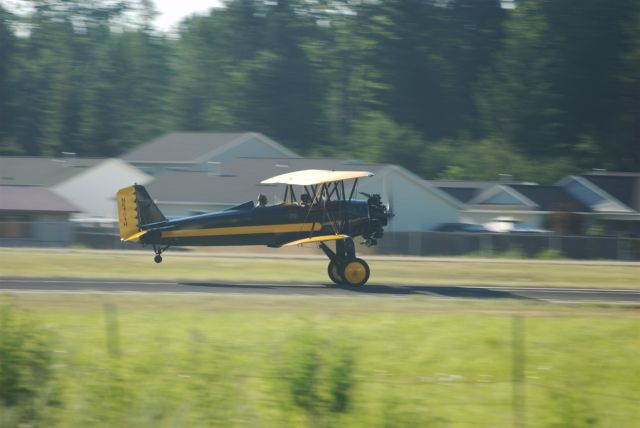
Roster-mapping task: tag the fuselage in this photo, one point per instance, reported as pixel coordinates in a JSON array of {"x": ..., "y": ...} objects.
[{"x": 273, "y": 225}]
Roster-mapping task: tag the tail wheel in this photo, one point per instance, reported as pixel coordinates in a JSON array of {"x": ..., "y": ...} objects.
[
  {"x": 334, "y": 273},
  {"x": 356, "y": 272}
]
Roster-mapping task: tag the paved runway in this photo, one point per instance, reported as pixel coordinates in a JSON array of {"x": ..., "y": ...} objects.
[{"x": 549, "y": 294}]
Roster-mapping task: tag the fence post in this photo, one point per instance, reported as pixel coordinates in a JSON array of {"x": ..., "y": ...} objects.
[{"x": 517, "y": 365}]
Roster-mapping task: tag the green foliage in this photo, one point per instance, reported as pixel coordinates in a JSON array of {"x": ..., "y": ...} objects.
[
  {"x": 27, "y": 389},
  {"x": 513, "y": 253},
  {"x": 459, "y": 89},
  {"x": 225, "y": 360},
  {"x": 596, "y": 230},
  {"x": 550, "y": 254},
  {"x": 555, "y": 88},
  {"x": 320, "y": 375}
]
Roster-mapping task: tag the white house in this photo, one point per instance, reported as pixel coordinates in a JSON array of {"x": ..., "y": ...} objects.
[
  {"x": 612, "y": 197},
  {"x": 531, "y": 204},
  {"x": 93, "y": 190}
]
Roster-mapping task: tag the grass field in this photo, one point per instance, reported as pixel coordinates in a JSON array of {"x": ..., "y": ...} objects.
[
  {"x": 160, "y": 360},
  {"x": 289, "y": 361},
  {"x": 77, "y": 263}
]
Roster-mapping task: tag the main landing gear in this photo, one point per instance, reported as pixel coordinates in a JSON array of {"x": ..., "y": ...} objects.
[
  {"x": 159, "y": 250},
  {"x": 344, "y": 267}
]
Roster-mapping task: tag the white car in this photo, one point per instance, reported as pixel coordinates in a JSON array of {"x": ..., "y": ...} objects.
[{"x": 510, "y": 224}]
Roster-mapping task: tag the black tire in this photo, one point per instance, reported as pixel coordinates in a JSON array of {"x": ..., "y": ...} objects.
[
  {"x": 158, "y": 258},
  {"x": 356, "y": 272},
  {"x": 334, "y": 273}
]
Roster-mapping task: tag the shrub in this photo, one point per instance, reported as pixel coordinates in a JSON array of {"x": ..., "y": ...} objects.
[
  {"x": 321, "y": 378},
  {"x": 25, "y": 368}
]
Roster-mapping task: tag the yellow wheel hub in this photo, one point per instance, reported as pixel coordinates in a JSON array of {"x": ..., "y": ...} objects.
[{"x": 355, "y": 273}]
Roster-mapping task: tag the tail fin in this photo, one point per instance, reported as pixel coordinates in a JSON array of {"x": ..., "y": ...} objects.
[{"x": 135, "y": 209}]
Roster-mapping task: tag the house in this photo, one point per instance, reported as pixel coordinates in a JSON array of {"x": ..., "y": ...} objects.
[
  {"x": 90, "y": 184},
  {"x": 545, "y": 207},
  {"x": 93, "y": 190},
  {"x": 612, "y": 197},
  {"x": 201, "y": 151},
  {"x": 462, "y": 191},
  {"x": 34, "y": 215},
  {"x": 417, "y": 205}
]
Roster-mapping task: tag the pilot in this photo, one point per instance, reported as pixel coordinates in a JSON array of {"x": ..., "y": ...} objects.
[
  {"x": 262, "y": 201},
  {"x": 305, "y": 199}
]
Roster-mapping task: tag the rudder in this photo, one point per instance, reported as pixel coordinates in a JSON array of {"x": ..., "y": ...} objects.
[{"x": 135, "y": 210}]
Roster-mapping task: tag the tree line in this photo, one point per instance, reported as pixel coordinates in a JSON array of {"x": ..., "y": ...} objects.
[{"x": 458, "y": 89}]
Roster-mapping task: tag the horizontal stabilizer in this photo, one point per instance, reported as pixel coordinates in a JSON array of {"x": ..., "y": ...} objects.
[
  {"x": 135, "y": 237},
  {"x": 316, "y": 239}
]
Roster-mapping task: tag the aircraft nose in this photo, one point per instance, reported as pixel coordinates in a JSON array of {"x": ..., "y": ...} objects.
[{"x": 378, "y": 218}]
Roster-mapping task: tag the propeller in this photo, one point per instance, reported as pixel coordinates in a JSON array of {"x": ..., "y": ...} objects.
[
  {"x": 378, "y": 218},
  {"x": 390, "y": 213}
]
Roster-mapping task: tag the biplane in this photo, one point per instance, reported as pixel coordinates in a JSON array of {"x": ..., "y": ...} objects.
[{"x": 316, "y": 208}]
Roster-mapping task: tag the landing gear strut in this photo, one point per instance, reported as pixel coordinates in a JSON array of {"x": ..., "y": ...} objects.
[
  {"x": 159, "y": 250},
  {"x": 344, "y": 267}
]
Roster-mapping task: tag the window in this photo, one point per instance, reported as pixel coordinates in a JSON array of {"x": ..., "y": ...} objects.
[{"x": 15, "y": 226}]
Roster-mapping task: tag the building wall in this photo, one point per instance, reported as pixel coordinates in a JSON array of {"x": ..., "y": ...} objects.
[
  {"x": 35, "y": 229},
  {"x": 416, "y": 206}
]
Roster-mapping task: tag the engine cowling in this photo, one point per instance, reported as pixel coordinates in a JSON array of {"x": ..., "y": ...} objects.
[{"x": 378, "y": 219}]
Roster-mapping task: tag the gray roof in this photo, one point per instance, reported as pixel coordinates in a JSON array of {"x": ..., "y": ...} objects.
[
  {"x": 238, "y": 181},
  {"x": 188, "y": 147},
  {"x": 624, "y": 186},
  {"x": 463, "y": 191},
  {"x": 42, "y": 171},
  {"x": 33, "y": 199}
]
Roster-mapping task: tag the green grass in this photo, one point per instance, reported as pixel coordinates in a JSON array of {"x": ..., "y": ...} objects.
[
  {"x": 120, "y": 265},
  {"x": 281, "y": 361}
]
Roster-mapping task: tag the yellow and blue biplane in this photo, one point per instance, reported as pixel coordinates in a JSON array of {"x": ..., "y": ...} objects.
[{"x": 316, "y": 209}]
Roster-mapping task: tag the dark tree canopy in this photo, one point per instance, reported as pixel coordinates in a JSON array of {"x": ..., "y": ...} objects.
[{"x": 455, "y": 89}]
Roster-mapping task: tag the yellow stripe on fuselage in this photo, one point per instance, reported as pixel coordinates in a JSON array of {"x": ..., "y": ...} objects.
[{"x": 243, "y": 230}]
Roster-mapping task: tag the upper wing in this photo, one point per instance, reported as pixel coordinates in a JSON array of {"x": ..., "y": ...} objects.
[
  {"x": 315, "y": 239},
  {"x": 309, "y": 177}
]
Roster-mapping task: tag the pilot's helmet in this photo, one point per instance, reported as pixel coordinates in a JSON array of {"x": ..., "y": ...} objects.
[{"x": 262, "y": 200}]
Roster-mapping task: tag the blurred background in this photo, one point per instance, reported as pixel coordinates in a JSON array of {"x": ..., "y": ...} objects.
[
  {"x": 494, "y": 128},
  {"x": 483, "y": 116}
]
